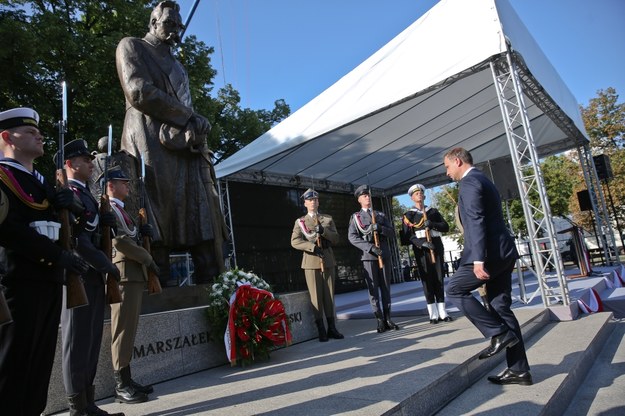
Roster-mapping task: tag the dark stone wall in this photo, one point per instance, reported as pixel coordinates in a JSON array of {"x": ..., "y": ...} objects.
[{"x": 263, "y": 217}]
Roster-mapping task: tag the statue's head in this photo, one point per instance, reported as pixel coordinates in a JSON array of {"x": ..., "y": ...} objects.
[{"x": 166, "y": 23}]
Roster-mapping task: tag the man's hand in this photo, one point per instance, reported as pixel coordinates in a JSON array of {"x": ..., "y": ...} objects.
[
  {"x": 480, "y": 272},
  {"x": 376, "y": 251},
  {"x": 318, "y": 251},
  {"x": 146, "y": 230},
  {"x": 73, "y": 263},
  {"x": 428, "y": 224},
  {"x": 427, "y": 245},
  {"x": 200, "y": 124},
  {"x": 65, "y": 198},
  {"x": 375, "y": 227},
  {"x": 319, "y": 229}
]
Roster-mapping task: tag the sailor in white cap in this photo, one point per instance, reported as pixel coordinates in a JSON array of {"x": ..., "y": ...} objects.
[
  {"x": 314, "y": 234},
  {"x": 34, "y": 266},
  {"x": 422, "y": 228}
]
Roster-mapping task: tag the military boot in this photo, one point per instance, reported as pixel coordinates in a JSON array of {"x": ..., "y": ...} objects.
[
  {"x": 124, "y": 392},
  {"x": 388, "y": 324},
  {"x": 139, "y": 387},
  {"x": 332, "y": 331},
  {"x": 77, "y": 404},
  {"x": 323, "y": 335},
  {"x": 381, "y": 324}
]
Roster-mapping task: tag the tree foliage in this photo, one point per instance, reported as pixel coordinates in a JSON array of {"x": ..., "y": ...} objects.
[{"x": 50, "y": 41}]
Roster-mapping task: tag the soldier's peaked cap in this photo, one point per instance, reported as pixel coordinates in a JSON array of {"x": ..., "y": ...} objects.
[
  {"x": 16, "y": 117},
  {"x": 310, "y": 194},
  {"x": 117, "y": 174},
  {"x": 362, "y": 190},
  {"x": 75, "y": 148}
]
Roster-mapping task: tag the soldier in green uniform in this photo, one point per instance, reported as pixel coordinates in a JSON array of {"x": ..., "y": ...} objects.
[{"x": 314, "y": 234}]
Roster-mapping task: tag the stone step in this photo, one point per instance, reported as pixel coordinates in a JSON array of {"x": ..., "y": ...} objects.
[
  {"x": 560, "y": 356},
  {"x": 601, "y": 393},
  {"x": 413, "y": 371}
]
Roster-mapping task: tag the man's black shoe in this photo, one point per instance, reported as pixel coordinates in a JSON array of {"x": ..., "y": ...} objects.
[
  {"x": 498, "y": 343},
  {"x": 512, "y": 377}
]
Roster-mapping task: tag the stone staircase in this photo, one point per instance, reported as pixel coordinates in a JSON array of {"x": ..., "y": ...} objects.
[
  {"x": 422, "y": 369},
  {"x": 561, "y": 355}
]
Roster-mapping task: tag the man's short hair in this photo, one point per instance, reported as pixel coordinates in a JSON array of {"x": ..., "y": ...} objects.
[{"x": 460, "y": 153}]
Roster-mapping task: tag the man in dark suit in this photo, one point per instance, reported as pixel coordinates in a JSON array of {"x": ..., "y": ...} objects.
[{"x": 489, "y": 257}]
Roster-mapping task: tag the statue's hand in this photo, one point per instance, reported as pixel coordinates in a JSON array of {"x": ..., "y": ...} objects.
[{"x": 200, "y": 124}]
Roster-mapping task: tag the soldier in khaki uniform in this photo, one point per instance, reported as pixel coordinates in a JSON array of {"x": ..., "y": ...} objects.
[
  {"x": 314, "y": 234},
  {"x": 133, "y": 262}
]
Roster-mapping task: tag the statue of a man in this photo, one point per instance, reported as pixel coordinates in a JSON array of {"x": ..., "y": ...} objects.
[{"x": 162, "y": 127}]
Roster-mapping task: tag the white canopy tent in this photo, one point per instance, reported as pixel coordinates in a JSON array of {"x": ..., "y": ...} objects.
[
  {"x": 428, "y": 89},
  {"x": 467, "y": 73}
]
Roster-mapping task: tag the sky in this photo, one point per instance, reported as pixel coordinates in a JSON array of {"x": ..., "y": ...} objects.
[
  {"x": 291, "y": 49},
  {"x": 294, "y": 50}
]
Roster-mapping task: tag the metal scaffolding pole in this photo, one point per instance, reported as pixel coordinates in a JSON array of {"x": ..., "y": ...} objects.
[
  {"x": 553, "y": 286},
  {"x": 387, "y": 208},
  {"x": 224, "y": 197},
  {"x": 597, "y": 200}
]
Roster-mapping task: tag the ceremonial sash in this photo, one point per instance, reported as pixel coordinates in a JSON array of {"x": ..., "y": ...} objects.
[{"x": 9, "y": 180}]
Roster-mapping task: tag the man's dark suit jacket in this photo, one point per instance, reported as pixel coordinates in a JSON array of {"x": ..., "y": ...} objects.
[{"x": 486, "y": 237}]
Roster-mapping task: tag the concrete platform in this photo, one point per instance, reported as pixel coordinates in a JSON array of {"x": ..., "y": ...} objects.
[
  {"x": 367, "y": 373},
  {"x": 419, "y": 370}
]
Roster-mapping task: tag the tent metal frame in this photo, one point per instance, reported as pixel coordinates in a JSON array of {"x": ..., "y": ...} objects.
[
  {"x": 224, "y": 193},
  {"x": 599, "y": 207},
  {"x": 530, "y": 181},
  {"x": 512, "y": 81}
]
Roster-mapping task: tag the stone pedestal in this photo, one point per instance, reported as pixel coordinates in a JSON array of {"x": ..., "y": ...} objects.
[{"x": 173, "y": 344}]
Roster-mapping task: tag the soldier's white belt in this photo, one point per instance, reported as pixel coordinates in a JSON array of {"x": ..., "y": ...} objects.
[
  {"x": 421, "y": 233},
  {"x": 48, "y": 228}
]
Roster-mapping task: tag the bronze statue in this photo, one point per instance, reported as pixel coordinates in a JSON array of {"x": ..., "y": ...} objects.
[{"x": 160, "y": 124}]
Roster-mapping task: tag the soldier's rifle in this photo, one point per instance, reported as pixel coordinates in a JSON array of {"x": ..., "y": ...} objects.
[
  {"x": 428, "y": 235},
  {"x": 75, "y": 289},
  {"x": 376, "y": 235},
  {"x": 154, "y": 285},
  {"x": 113, "y": 295},
  {"x": 318, "y": 242}
]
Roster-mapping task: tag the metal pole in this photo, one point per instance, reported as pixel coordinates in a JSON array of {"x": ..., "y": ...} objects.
[
  {"x": 189, "y": 17},
  {"x": 618, "y": 226}
]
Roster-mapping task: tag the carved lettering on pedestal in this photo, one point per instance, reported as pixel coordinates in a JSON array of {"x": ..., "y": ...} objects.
[
  {"x": 295, "y": 317},
  {"x": 170, "y": 344}
]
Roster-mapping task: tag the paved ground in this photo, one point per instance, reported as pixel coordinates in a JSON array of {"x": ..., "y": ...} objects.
[{"x": 367, "y": 373}]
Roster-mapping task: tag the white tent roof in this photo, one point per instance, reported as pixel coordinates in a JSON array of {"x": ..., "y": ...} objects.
[{"x": 429, "y": 89}]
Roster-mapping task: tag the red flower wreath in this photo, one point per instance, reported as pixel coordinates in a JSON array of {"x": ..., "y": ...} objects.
[{"x": 257, "y": 322}]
